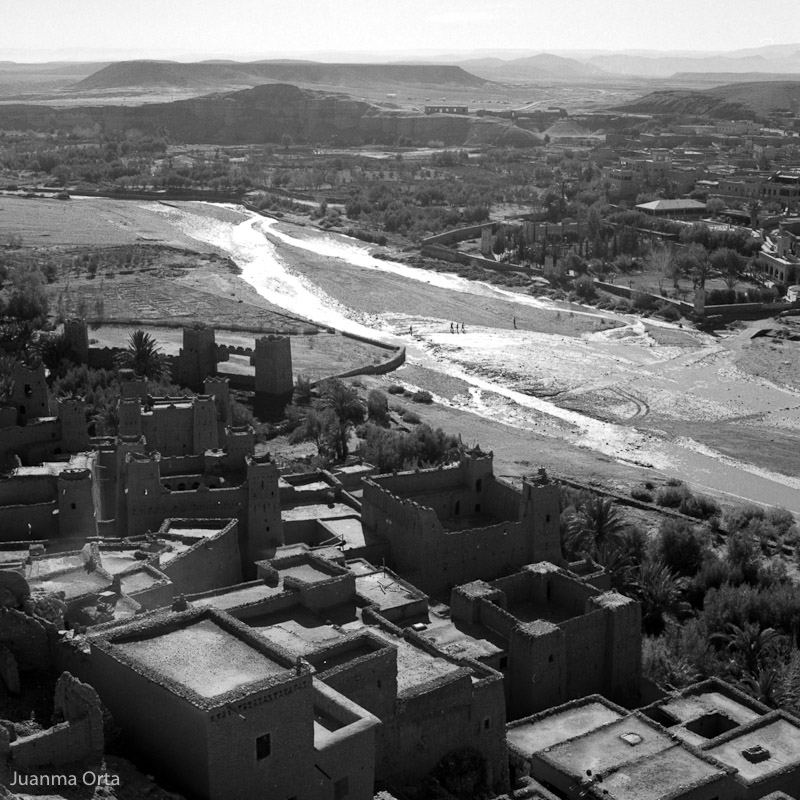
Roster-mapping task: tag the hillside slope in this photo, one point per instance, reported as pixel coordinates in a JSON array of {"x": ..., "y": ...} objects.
[
  {"x": 730, "y": 101},
  {"x": 266, "y": 113}
]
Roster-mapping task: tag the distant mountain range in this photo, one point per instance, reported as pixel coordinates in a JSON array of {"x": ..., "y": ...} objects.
[{"x": 268, "y": 112}]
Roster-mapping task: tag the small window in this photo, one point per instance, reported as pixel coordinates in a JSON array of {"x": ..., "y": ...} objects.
[
  {"x": 550, "y": 658},
  {"x": 478, "y": 485},
  {"x": 341, "y": 789},
  {"x": 73, "y": 506},
  {"x": 487, "y": 724},
  {"x": 28, "y": 390},
  {"x": 503, "y": 662},
  {"x": 477, "y": 508},
  {"x": 457, "y": 509},
  {"x": 263, "y": 746},
  {"x": 547, "y": 518}
]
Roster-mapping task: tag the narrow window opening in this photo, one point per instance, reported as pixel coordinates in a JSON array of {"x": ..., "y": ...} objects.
[{"x": 263, "y": 746}]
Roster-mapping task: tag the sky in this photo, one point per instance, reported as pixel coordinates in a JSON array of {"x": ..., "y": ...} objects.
[{"x": 37, "y": 30}]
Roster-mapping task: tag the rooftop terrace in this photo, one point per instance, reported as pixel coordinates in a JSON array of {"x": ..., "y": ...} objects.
[{"x": 203, "y": 657}]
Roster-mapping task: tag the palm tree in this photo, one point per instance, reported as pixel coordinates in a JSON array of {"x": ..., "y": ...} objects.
[
  {"x": 596, "y": 528},
  {"x": 748, "y": 641},
  {"x": 344, "y": 401},
  {"x": 660, "y": 591},
  {"x": 7, "y": 364},
  {"x": 144, "y": 357}
]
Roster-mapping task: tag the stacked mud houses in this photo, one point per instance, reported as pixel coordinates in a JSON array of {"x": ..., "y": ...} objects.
[{"x": 321, "y": 636}]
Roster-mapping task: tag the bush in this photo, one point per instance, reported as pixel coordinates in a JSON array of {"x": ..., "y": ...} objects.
[
  {"x": 395, "y": 388},
  {"x": 671, "y": 496},
  {"x": 642, "y": 301},
  {"x": 641, "y": 494},
  {"x": 668, "y": 312},
  {"x": 411, "y": 418},
  {"x": 422, "y": 396},
  {"x": 302, "y": 390},
  {"x": 378, "y": 407},
  {"x": 680, "y": 547}
]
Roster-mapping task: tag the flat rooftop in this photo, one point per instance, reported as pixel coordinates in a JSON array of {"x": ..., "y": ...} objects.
[
  {"x": 137, "y": 581},
  {"x": 539, "y": 734},
  {"x": 779, "y": 736},
  {"x": 461, "y": 639},
  {"x": 315, "y": 511},
  {"x": 414, "y": 666},
  {"x": 530, "y": 611},
  {"x": 298, "y": 630},
  {"x": 114, "y": 561},
  {"x": 604, "y": 749},
  {"x": 308, "y": 572},
  {"x": 203, "y": 657},
  {"x": 74, "y": 583},
  {"x": 349, "y": 529},
  {"x": 385, "y": 591},
  {"x": 241, "y": 595},
  {"x": 664, "y": 774}
]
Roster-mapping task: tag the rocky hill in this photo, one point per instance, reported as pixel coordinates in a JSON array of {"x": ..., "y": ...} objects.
[
  {"x": 268, "y": 112},
  {"x": 732, "y": 101},
  {"x": 140, "y": 75}
]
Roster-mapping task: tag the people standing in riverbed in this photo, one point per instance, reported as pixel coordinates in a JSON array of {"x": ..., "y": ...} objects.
[
  {"x": 514, "y": 320},
  {"x": 451, "y": 327}
]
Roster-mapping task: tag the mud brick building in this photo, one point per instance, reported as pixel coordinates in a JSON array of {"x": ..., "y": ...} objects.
[
  {"x": 228, "y": 715},
  {"x": 452, "y": 525}
]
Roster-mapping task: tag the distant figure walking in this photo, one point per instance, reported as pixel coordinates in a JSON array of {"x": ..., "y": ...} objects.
[
  {"x": 514, "y": 320},
  {"x": 463, "y": 329},
  {"x": 410, "y": 330},
  {"x": 451, "y": 327}
]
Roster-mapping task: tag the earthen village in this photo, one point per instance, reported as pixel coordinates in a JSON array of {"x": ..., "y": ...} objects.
[
  {"x": 394, "y": 409},
  {"x": 242, "y": 632}
]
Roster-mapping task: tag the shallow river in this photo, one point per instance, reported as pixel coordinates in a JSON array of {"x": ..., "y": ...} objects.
[{"x": 251, "y": 245}]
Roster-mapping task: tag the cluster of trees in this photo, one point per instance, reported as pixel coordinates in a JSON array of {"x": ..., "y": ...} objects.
[
  {"x": 716, "y": 599},
  {"x": 337, "y": 414}
]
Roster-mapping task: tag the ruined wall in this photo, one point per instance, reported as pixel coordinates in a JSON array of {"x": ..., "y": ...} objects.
[
  {"x": 26, "y": 638},
  {"x": 64, "y": 743}
]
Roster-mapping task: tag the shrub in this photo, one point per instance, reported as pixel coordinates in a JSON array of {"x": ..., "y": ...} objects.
[
  {"x": 395, "y": 388},
  {"x": 411, "y": 418},
  {"x": 642, "y": 301},
  {"x": 378, "y": 407},
  {"x": 680, "y": 547},
  {"x": 638, "y": 493},
  {"x": 302, "y": 390},
  {"x": 422, "y": 396},
  {"x": 698, "y": 506},
  {"x": 670, "y": 496},
  {"x": 668, "y": 312}
]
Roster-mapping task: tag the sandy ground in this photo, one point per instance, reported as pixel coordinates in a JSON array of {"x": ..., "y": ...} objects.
[{"x": 603, "y": 394}]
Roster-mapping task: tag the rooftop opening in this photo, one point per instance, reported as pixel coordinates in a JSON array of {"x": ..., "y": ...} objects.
[
  {"x": 661, "y": 716},
  {"x": 709, "y": 726},
  {"x": 631, "y": 738}
]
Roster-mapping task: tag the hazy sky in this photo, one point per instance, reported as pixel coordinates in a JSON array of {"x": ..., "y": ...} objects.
[{"x": 33, "y": 30}]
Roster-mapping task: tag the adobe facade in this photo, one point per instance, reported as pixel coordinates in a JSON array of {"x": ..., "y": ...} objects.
[{"x": 451, "y": 525}]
